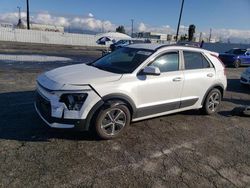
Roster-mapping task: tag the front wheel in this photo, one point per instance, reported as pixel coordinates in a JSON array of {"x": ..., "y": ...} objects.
[
  {"x": 212, "y": 102},
  {"x": 111, "y": 121}
]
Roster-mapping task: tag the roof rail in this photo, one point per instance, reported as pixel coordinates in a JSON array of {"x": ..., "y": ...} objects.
[
  {"x": 162, "y": 46},
  {"x": 180, "y": 44}
]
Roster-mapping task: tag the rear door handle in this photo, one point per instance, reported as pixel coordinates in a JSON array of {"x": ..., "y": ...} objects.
[
  {"x": 210, "y": 75},
  {"x": 177, "y": 79}
]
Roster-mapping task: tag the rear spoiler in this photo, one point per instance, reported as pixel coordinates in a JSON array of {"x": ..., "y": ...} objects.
[{"x": 214, "y": 54}]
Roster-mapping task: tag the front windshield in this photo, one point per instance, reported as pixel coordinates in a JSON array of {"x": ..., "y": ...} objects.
[
  {"x": 123, "y": 60},
  {"x": 237, "y": 51}
]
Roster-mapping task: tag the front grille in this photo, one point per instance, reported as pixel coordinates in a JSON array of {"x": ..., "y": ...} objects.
[{"x": 44, "y": 107}]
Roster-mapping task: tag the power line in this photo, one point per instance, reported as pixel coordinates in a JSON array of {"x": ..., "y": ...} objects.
[{"x": 210, "y": 35}]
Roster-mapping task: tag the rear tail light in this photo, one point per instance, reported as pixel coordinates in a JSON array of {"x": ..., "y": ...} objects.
[{"x": 217, "y": 57}]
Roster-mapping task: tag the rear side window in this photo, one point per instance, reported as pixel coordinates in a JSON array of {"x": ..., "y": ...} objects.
[
  {"x": 167, "y": 62},
  {"x": 195, "y": 60}
]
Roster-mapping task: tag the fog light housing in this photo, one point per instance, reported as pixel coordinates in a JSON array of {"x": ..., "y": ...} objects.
[{"x": 74, "y": 101}]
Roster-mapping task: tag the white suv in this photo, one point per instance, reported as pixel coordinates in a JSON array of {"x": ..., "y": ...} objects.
[{"x": 134, "y": 83}]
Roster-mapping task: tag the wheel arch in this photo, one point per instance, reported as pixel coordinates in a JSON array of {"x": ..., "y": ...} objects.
[
  {"x": 220, "y": 87},
  {"x": 121, "y": 99},
  {"x": 118, "y": 98}
]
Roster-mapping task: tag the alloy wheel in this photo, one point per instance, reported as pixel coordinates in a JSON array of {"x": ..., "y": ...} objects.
[
  {"x": 214, "y": 101},
  {"x": 113, "y": 122}
]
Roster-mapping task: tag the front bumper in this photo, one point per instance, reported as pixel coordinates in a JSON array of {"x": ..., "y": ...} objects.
[
  {"x": 245, "y": 79},
  {"x": 43, "y": 109}
]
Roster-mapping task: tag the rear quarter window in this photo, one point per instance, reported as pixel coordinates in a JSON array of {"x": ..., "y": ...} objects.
[{"x": 195, "y": 60}]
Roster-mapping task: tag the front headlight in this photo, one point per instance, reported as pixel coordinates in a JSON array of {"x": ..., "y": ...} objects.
[{"x": 74, "y": 101}]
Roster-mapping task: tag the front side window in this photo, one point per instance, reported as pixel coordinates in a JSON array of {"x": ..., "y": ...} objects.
[
  {"x": 195, "y": 60},
  {"x": 123, "y": 60},
  {"x": 167, "y": 62}
]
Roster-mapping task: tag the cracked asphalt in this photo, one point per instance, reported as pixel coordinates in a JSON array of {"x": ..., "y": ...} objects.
[{"x": 180, "y": 150}]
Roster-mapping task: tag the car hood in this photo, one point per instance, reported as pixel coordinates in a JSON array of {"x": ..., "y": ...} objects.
[{"x": 80, "y": 74}]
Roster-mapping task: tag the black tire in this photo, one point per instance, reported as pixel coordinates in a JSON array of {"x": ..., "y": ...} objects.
[
  {"x": 109, "y": 124},
  {"x": 237, "y": 63},
  {"x": 212, "y": 102}
]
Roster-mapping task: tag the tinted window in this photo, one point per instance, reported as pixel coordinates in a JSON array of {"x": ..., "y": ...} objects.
[
  {"x": 123, "y": 60},
  {"x": 195, "y": 60},
  {"x": 167, "y": 62},
  {"x": 237, "y": 51}
]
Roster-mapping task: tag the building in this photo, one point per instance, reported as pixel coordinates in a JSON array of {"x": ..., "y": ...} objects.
[
  {"x": 6, "y": 25},
  {"x": 154, "y": 37}
]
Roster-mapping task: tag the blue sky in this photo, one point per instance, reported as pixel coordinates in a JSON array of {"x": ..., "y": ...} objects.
[
  {"x": 203, "y": 13},
  {"x": 152, "y": 15}
]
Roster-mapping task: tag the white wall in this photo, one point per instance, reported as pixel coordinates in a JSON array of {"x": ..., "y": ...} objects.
[{"x": 44, "y": 37}]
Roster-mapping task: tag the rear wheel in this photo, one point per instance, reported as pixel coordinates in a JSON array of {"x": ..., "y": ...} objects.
[
  {"x": 212, "y": 102},
  {"x": 111, "y": 121},
  {"x": 237, "y": 63}
]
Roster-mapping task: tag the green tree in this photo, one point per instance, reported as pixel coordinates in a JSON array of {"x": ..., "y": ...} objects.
[
  {"x": 120, "y": 29},
  {"x": 184, "y": 37},
  {"x": 191, "y": 32}
]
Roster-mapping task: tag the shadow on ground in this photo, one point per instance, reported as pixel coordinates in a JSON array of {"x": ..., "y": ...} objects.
[
  {"x": 19, "y": 121},
  {"x": 234, "y": 85}
]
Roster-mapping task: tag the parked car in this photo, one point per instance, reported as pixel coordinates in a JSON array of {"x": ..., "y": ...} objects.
[
  {"x": 245, "y": 77},
  {"x": 125, "y": 42},
  {"x": 236, "y": 57},
  {"x": 133, "y": 83}
]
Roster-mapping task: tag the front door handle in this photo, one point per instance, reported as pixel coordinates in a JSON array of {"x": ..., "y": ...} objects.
[
  {"x": 177, "y": 79},
  {"x": 210, "y": 75}
]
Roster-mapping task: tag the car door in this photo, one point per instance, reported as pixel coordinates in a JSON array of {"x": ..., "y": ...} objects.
[
  {"x": 161, "y": 93},
  {"x": 199, "y": 75},
  {"x": 245, "y": 59}
]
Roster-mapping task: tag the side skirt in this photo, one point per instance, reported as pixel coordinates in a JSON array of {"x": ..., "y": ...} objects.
[{"x": 158, "y": 109}]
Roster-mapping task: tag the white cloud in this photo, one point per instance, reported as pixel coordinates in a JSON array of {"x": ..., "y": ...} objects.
[
  {"x": 235, "y": 35},
  {"x": 89, "y": 22},
  {"x": 90, "y": 15},
  {"x": 142, "y": 27},
  {"x": 161, "y": 29},
  {"x": 231, "y": 33},
  {"x": 85, "y": 23},
  {"x": 11, "y": 17}
]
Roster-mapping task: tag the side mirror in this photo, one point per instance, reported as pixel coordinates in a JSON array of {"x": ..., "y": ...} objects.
[{"x": 151, "y": 70}]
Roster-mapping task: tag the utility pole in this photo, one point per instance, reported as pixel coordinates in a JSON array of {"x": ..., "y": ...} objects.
[
  {"x": 28, "y": 15},
  {"x": 19, "y": 13},
  {"x": 19, "y": 17},
  {"x": 179, "y": 22},
  {"x": 200, "y": 37},
  {"x": 210, "y": 35},
  {"x": 132, "y": 27}
]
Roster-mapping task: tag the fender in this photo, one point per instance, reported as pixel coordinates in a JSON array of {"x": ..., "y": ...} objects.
[
  {"x": 121, "y": 97},
  {"x": 118, "y": 97}
]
